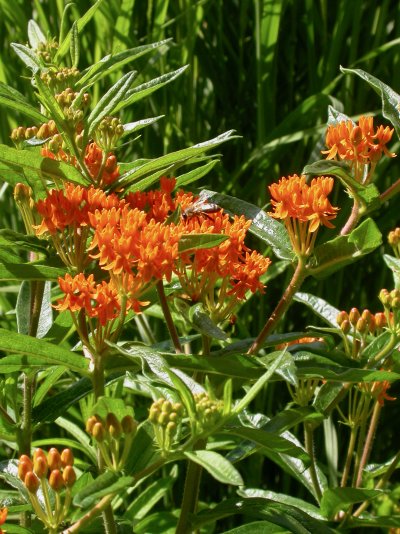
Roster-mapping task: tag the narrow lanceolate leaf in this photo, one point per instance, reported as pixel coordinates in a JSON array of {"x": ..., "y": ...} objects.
[
  {"x": 335, "y": 254},
  {"x": 132, "y": 127},
  {"x": 26, "y": 349},
  {"x": 390, "y": 99},
  {"x": 12, "y": 99},
  {"x": 74, "y": 46},
  {"x": 185, "y": 155},
  {"x": 29, "y": 271},
  {"x": 35, "y": 34},
  {"x": 114, "y": 61},
  {"x": 198, "y": 241},
  {"x": 202, "y": 322},
  {"x": 263, "y": 226},
  {"x": 44, "y": 168},
  {"x": 108, "y": 103},
  {"x": 336, "y": 499},
  {"x": 28, "y": 57},
  {"x": 147, "y": 88},
  {"x": 319, "y": 306},
  {"x": 81, "y": 23},
  {"x": 21, "y": 241},
  {"x": 195, "y": 174},
  {"x": 368, "y": 195},
  {"x": 108, "y": 483},
  {"x": 218, "y": 466},
  {"x": 336, "y": 117}
]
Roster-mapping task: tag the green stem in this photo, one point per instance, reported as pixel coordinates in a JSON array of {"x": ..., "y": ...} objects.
[
  {"x": 309, "y": 446},
  {"x": 349, "y": 456},
  {"x": 168, "y": 318},
  {"x": 390, "y": 192},
  {"x": 190, "y": 492},
  {"x": 96, "y": 510},
  {"x": 299, "y": 275}
]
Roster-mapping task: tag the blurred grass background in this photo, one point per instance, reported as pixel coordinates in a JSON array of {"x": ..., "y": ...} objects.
[{"x": 265, "y": 68}]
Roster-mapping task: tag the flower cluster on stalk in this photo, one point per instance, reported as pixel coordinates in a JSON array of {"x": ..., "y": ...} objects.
[{"x": 303, "y": 208}]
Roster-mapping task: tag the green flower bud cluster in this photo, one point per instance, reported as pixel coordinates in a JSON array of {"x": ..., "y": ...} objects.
[
  {"x": 166, "y": 418},
  {"x": 113, "y": 438},
  {"x": 394, "y": 241},
  {"x": 66, "y": 100},
  {"x": 209, "y": 411},
  {"x": 391, "y": 303},
  {"x": 108, "y": 133},
  {"x": 54, "y": 470},
  {"x": 47, "y": 50},
  {"x": 60, "y": 79}
]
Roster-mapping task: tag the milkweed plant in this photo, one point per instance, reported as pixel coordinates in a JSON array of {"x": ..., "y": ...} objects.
[{"x": 110, "y": 423}]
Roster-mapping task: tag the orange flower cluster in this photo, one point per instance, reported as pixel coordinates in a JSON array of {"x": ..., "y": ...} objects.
[
  {"x": 231, "y": 265},
  {"x": 358, "y": 143},
  {"x": 158, "y": 204},
  {"x": 303, "y": 208},
  {"x": 65, "y": 216},
  {"x": 102, "y": 168}
]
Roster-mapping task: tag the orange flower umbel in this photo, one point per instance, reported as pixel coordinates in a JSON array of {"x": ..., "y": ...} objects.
[
  {"x": 303, "y": 208},
  {"x": 359, "y": 144},
  {"x": 222, "y": 275},
  {"x": 65, "y": 216}
]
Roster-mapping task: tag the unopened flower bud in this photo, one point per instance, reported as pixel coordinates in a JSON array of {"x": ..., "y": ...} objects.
[
  {"x": 67, "y": 458},
  {"x": 54, "y": 459},
  {"x": 56, "y": 481},
  {"x": 166, "y": 407},
  {"x": 342, "y": 316},
  {"x": 69, "y": 476},
  {"x": 171, "y": 428},
  {"x": 354, "y": 315},
  {"x": 128, "y": 424},
  {"x": 40, "y": 467},
  {"x": 361, "y": 325},
  {"x": 380, "y": 320},
  {"x": 24, "y": 467},
  {"x": 31, "y": 482},
  {"x": 163, "y": 418},
  {"x": 367, "y": 316},
  {"x": 99, "y": 432},
  {"x": 43, "y": 132},
  {"x": 384, "y": 297},
  {"x": 372, "y": 324},
  {"x": 90, "y": 423},
  {"x": 154, "y": 414},
  {"x": 345, "y": 327},
  {"x": 113, "y": 425}
]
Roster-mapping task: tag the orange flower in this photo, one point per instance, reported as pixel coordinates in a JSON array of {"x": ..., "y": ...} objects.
[
  {"x": 303, "y": 208},
  {"x": 3, "y": 517},
  {"x": 102, "y": 168},
  {"x": 379, "y": 391},
  {"x": 359, "y": 144},
  {"x": 158, "y": 204}
]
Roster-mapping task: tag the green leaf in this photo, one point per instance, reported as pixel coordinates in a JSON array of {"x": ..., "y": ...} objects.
[
  {"x": 128, "y": 179},
  {"x": 8, "y": 431},
  {"x": 24, "y": 311},
  {"x": 81, "y": 23},
  {"x": 195, "y": 174},
  {"x": 320, "y": 307},
  {"x": 271, "y": 441},
  {"x": 44, "y": 168},
  {"x": 108, "y": 483},
  {"x": 390, "y": 99},
  {"x": 12, "y": 99},
  {"x": 29, "y": 271},
  {"x": 22, "y": 242},
  {"x": 219, "y": 467},
  {"x": 74, "y": 45},
  {"x": 393, "y": 264},
  {"x": 336, "y": 117},
  {"x": 132, "y": 127},
  {"x": 367, "y": 194},
  {"x": 108, "y": 103},
  {"x": 268, "y": 229},
  {"x": 184, "y": 390},
  {"x": 113, "y": 61},
  {"x": 35, "y": 35},
  {"x": 198, "y": 241},
  {"x": 28, "y": 57},
  {"x": 146, "y": 89},
  {"x": 336, "y": 499},
  {"x": 144, "y": 502},
  {"x": 346, "y": 249},
  {"x": 202, "y": 322},
  {"x": 49, "y": 378},
  {"x": 291, "y": 417},
  {"x": 342, "y": 374},
  {"x": 293, "y": 519},
  {"x": 258, "y": 527},
  {"x": 29, "y": 351}
]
